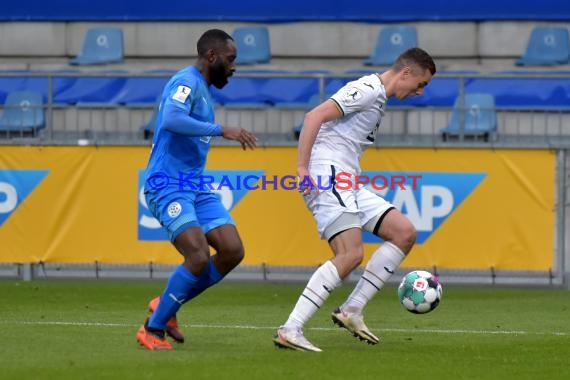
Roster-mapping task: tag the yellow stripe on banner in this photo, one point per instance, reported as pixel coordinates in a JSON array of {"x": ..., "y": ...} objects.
[
  {"x": 506, "y": 223},
  {"x": 87, "y": 207}
]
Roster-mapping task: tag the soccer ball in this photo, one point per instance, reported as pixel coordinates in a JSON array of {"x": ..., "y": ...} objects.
[{"x": 419, "y": 292}]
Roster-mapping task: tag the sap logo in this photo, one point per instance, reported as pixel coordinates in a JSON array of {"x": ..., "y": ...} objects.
[
  {"x": 230, "y": 186},
  {"x": 15, "y": 186},
  {"x": 429, "y": 201}
]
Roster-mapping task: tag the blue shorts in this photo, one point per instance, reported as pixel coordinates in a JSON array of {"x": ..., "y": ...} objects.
[{"x": 179, "y": 210}]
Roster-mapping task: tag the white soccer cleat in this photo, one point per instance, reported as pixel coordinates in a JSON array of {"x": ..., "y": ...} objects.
[
  {"x": 294, "y": 339},
  {"x": 354, "y": 323}
]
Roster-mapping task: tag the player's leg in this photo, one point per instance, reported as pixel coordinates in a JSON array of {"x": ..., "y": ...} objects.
[
  {"x": 192, "y": 244},
  {"x": 337, "y": 218},
  {"x": 382, "y": 219},
  {"x": 177, "y": 214},
  {"x": 353, "y": 322},
  {"x": 172, "y": 326},
  {"x": 222, "y": 236},
  {"x": 229, "y": 249},
  {"x": 220, "y": 232},
  {"x": 347, "y": 247},
  {"x": 399, "y": 236},
  {"x": 227, "y": 243}
]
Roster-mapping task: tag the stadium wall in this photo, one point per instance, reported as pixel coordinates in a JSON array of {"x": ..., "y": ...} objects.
[
  {"x": 292, "y": 10},
  {"x": 473, "y": 208}
]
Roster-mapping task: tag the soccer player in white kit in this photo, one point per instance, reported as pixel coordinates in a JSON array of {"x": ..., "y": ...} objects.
[{"x": 333, "y": 138}]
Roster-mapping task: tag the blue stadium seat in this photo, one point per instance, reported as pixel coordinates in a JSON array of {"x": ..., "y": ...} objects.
[
  {"x": 101, "y": 46},
  {"x": 288, "y": 90},
  {"x": 93, "y": 89},
  {"x": 392, "y": 41},
  {"x": 547, "y": 46},
  {"x": 240, "y": 90},
  {"x": 23, "y": 112},
  {"x": 294, "y": 92},
  {"x": 142, "y": 91},
  {"x": 252, "y": 45},
  {"x": 479, "y": 116}
]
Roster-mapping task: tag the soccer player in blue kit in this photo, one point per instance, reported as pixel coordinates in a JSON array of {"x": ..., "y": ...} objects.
[{"x": 194, "y": 218}]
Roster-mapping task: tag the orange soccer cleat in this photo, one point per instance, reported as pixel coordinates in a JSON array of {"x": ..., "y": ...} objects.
[
  {"x": 152, "y": 340},
  {"x": 172, "y": 328}
]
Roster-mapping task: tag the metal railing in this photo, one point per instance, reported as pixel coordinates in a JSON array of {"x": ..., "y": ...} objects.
[
  {"x": 521, "y": 128},
  {"x": 111, "y": 123}
]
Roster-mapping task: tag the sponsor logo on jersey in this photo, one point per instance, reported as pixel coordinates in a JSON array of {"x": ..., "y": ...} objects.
[
  {"x": 182, "y": 93},
  {"x": 174, "y": 209},
  {"x": 352, "y": 95}
]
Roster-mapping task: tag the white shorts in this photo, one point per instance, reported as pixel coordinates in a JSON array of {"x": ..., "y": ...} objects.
[{"x": 332, "y": 202}]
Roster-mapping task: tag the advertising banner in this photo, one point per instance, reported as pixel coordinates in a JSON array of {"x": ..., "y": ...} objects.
[{"x": 472, "y": 208}]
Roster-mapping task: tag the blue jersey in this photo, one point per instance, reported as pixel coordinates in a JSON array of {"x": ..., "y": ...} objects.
[{"x": 188, "y": 108}]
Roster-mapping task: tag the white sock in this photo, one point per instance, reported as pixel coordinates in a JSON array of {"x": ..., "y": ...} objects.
[
  {"x": 379, "y": 269},
  {"x": 318, "y": 289}
]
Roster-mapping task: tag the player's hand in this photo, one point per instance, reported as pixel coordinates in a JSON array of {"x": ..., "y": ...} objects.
[
  {"x": 246, "y": 138},
  {"x": 306, "y": 183}
]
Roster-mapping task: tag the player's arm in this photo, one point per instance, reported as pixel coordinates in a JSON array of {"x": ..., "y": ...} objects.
[
  {"x": 178, "y": 122},
  {"x": 353, "y": 97},
  {"x": 177, "y": 119},
  {"x": 246, "y": 138},
  {"x": 176, "y": 115},
  {"x": 326, "y": 111}
]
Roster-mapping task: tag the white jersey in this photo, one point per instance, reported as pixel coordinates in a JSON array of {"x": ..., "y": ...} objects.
[{"x": 341, "y": 142}]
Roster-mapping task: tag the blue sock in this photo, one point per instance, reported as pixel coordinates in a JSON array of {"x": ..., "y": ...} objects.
[
  {"x": 209, "y": 277},
  {"x": 179, "y": 285}
]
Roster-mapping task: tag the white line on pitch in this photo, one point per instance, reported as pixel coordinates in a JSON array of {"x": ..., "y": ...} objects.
[{"x": 249, "y": 327}]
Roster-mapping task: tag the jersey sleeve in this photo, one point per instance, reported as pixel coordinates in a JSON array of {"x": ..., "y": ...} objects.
[
  {"x": 355, "y": 96},
  {"x": 176, "y": 110},
  {"x": 181, "y": 94}
]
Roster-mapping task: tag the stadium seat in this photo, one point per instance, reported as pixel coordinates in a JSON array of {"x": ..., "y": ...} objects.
[
  {"x": 93, "y": 89},
  {"x": 252, "y": 44},
  {"x": 240, "y": 90},
  {"x": 479, "y": 117},
  {"x": 142, "y": 91},
  {"x": 392, "y": 41},
  {"x": 101, "y": 46},
  {"x": 546, "y": 46},
  {"x": 23, "y": 112}
]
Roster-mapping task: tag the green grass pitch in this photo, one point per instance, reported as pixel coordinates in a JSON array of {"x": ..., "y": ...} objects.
[{"x": 86, "y": 330}]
